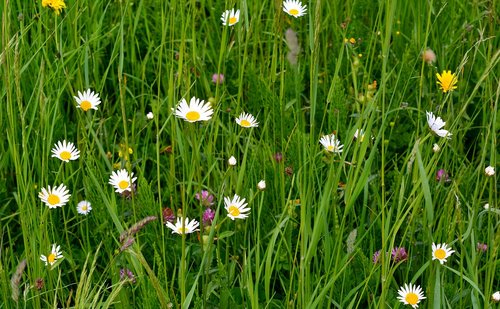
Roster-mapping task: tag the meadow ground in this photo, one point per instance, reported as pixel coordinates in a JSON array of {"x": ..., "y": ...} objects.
[{"x": 335, "y": 154}]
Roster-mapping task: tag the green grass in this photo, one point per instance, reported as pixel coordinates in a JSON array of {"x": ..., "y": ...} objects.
[{"x": 311, "y": 234}]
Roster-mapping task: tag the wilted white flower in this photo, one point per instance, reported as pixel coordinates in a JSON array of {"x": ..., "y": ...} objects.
[
  {"x": 150, "y": 115},
  {"x": 232, "y": 161},
  {"x": 436, "y": 148}
]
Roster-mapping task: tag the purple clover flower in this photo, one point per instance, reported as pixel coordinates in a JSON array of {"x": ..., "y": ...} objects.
[
  {"x": 126, "y": 274},
  {"x": 376, "y": 257},
  {"x": 399, "y": 254},
  {"x": 218, "y": 79},
  {"x": 208, "y": 216},
  {"x": 442, "y": 175},
  {"x": 482, "y": 247},
  {"x": 205, "y": 198}
]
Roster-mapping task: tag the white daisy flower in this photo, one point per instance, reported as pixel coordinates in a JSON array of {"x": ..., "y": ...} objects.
[
  {"x": 411, "y": 295},
  {"x": 122, "y": 181},
  {"x": 87, "y": 100},
  {"x": 294, "y": 8},
  {"x": 54, "y": 255},
  {"x": 84, "y": 207},
  {"x": 65, "y": 151},
  {"x": 247, "y": 121},
  {"x": 236, "y": 208},
  {"x": 436, "y": 124},
  {"x": 197, "y": 110},
  {"x": 230, "y": 17},
  {"x": 56, "y": 197},
  {"x": 185, "y": 227},
  {"x": 441, "y": 252},
  {"x": 331, "y": 143}
]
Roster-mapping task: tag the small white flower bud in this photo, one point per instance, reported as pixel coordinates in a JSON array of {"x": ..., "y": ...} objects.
[{"x": 261, "y": 185}]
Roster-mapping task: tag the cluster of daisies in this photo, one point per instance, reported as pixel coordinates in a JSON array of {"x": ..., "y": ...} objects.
[
  {"x": 123, "y": 181},
  {"x": 59, "y": 195},
  {"x": 411, "y": 294},
  {"x": 198, "y": 110},
  {"x": 291, "y": 7}
]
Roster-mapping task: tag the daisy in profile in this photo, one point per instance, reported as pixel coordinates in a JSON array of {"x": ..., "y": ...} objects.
[
  {"x": 447, "y": 81},
  {"x": 122, "y": 181},
  {"x": 87, "y": 100},
  {"x": 359, "y": 135},
  {"x": 65, "y": 151},
  {"x": 247, "y": 121},
  {"x": 331, "y": 143},
  {"x": 294, "y": 8},
  {"x": 230, "y": 17},
  {"x": 185, "y": 227},
  {"x": 53, "y": 256},
  {"x": 197, "y": 110},
  {"x": 441, "y": 252},
  {"x": 84, "y": 207},
  {"x": 56, "y": 5},
  {"x": 236, "y": 208},
  {"x": 436, "y": 125},
  {"x": 56, "y": 197},
  {"x": 410, "y": 295}
]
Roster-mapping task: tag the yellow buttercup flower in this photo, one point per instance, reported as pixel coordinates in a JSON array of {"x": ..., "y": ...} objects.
[
  {"x": 56, "y": 5},
  {"x": 447, "y": 81}
]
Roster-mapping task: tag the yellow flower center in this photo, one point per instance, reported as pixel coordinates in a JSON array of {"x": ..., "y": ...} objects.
[
  {"x": 65, "y": 155},
  {"x": 181, "y": 230},
  {"x": 53, "y": 199},
  {"x": 84, "y": 208},
  {"x": 232, "y": 20},
  {"x": 51, "y": 258},
  {"x": 234, "y": 211},
  {"x": 245, "y": 123},
  {"x": 85, "y": 105},
  {"x": 294, "y": 12},
  {"x": 330, "y": 147},
  {"x": 440, "y": 254},
  {"x": 123, "y": 184},
  {"x": 412, "y": 298},
  {"x": 193, "y": 116}
]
